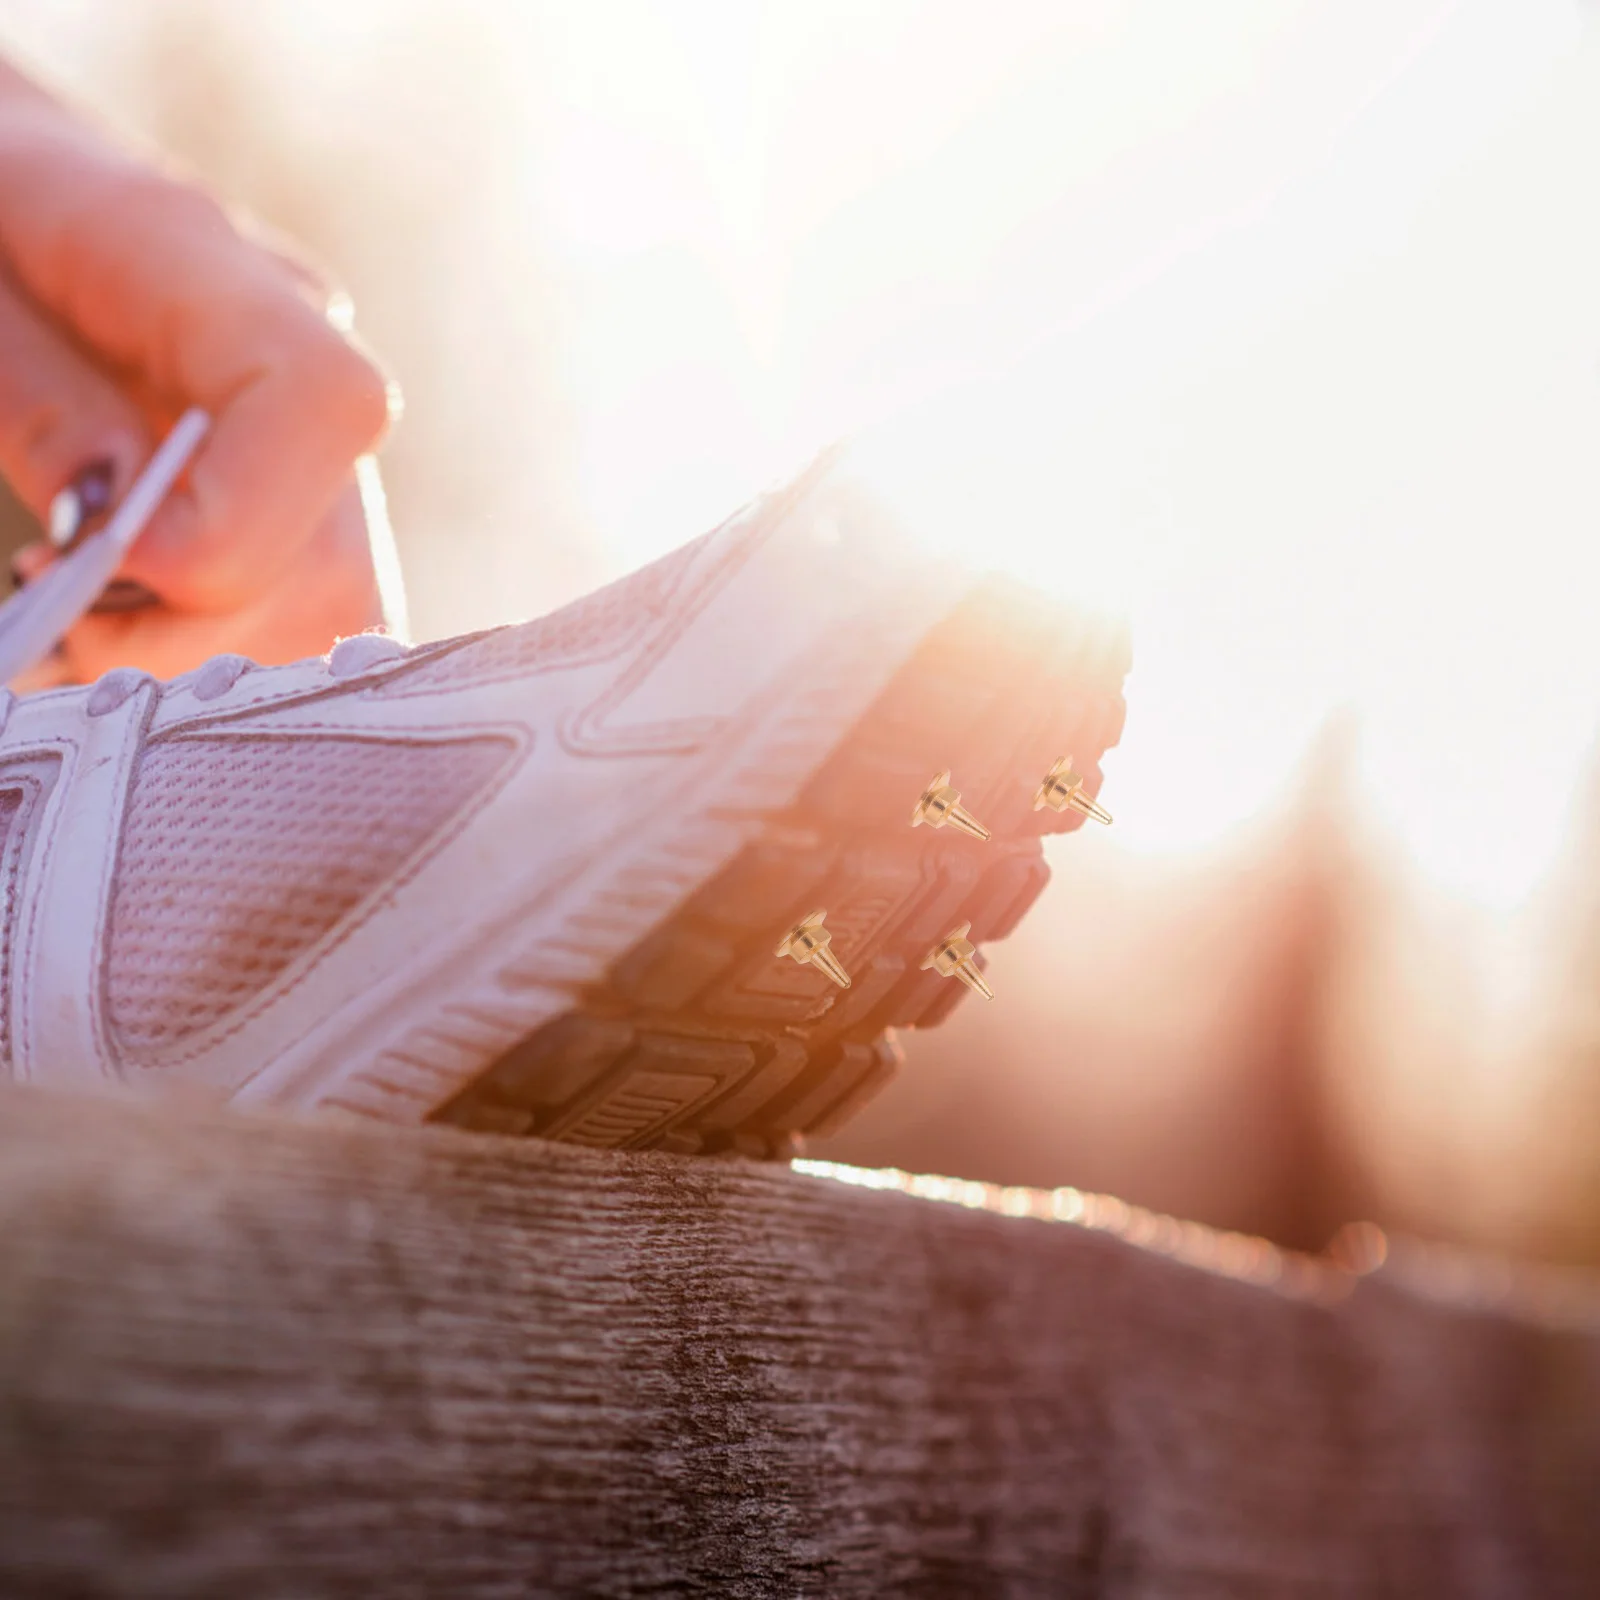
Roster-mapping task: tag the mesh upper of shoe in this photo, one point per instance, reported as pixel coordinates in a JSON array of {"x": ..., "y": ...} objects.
[
  {"x": 239, "y": 854},
  {"x": 595, "y": 628}
]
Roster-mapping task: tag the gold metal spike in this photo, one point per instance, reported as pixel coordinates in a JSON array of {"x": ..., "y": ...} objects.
[
  {"x": 953, "y": 956},
  {"x": 1062, "y": 787},
  {"x": 941, "y": 804},
  {"x": 807, "y": 942}
]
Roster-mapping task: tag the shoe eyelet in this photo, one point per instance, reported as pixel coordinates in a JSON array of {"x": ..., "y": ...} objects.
[
  {"x": 361, "y": 652},
  {"x": 217, "y": 676},
  {"x": 113, "y": 688}
]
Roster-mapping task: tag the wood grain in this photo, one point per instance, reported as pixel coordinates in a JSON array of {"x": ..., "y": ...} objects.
[{"x": 248, "y": 1357}]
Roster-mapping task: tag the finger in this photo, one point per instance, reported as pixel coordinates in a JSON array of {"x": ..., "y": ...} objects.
[
  {"x": 58, "y": 415},
  {"x": 329, "y": 591},
  {"x": 153, "y": 275},
  {"x": 312, "y": 280},
  {"x": 277, "y": 452}
]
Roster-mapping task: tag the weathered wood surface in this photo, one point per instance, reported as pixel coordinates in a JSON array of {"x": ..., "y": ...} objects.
[{"x": 247, "y": 1357}]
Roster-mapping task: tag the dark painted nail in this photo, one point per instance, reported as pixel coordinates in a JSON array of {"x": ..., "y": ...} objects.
[
  {"x": 18, "y": 576},
  {"x": 83, "y": 502}
]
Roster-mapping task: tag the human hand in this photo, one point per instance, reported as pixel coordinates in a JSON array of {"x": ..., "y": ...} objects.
[{"x": 126, "y": 296}]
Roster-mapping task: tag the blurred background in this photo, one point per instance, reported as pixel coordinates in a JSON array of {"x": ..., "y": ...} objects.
[{"x": 1274, "y": 320}]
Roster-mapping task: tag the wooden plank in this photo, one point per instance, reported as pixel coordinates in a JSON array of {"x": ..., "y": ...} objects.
[{"x": 245, "y": 1356}]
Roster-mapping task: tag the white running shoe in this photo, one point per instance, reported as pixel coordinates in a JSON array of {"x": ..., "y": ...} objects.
[{"x": 534, "y": 880}]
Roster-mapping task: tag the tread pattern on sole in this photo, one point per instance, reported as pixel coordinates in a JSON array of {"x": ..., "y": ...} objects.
[{"x": 700, "y": 1039}]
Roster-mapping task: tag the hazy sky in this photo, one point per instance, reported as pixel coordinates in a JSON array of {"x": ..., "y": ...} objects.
[
  {"x": 1284, "y": 323},
  {"x": 1275, "y": 318}
]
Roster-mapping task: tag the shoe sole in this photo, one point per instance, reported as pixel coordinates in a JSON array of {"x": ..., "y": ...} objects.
[{"x": 699, "y": 1039}]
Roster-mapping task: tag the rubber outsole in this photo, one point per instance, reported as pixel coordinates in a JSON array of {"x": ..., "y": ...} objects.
[{"x": 700, "y": 1040}]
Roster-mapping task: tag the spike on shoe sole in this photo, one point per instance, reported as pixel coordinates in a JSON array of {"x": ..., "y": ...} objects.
[
  {"x": 940, "y": 804},
  {"x": 953, "y": 957},
  {"x": 1062, "y": 787},
  {"x": 808, "y": 942}
]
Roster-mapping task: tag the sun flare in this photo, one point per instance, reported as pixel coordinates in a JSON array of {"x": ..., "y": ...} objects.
[{"x": 1208, "y": 357}]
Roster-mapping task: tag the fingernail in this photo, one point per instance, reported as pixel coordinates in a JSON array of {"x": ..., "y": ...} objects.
[
  {"x": 83, "y": 501},
  {"x": 123, "y": 594}
]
